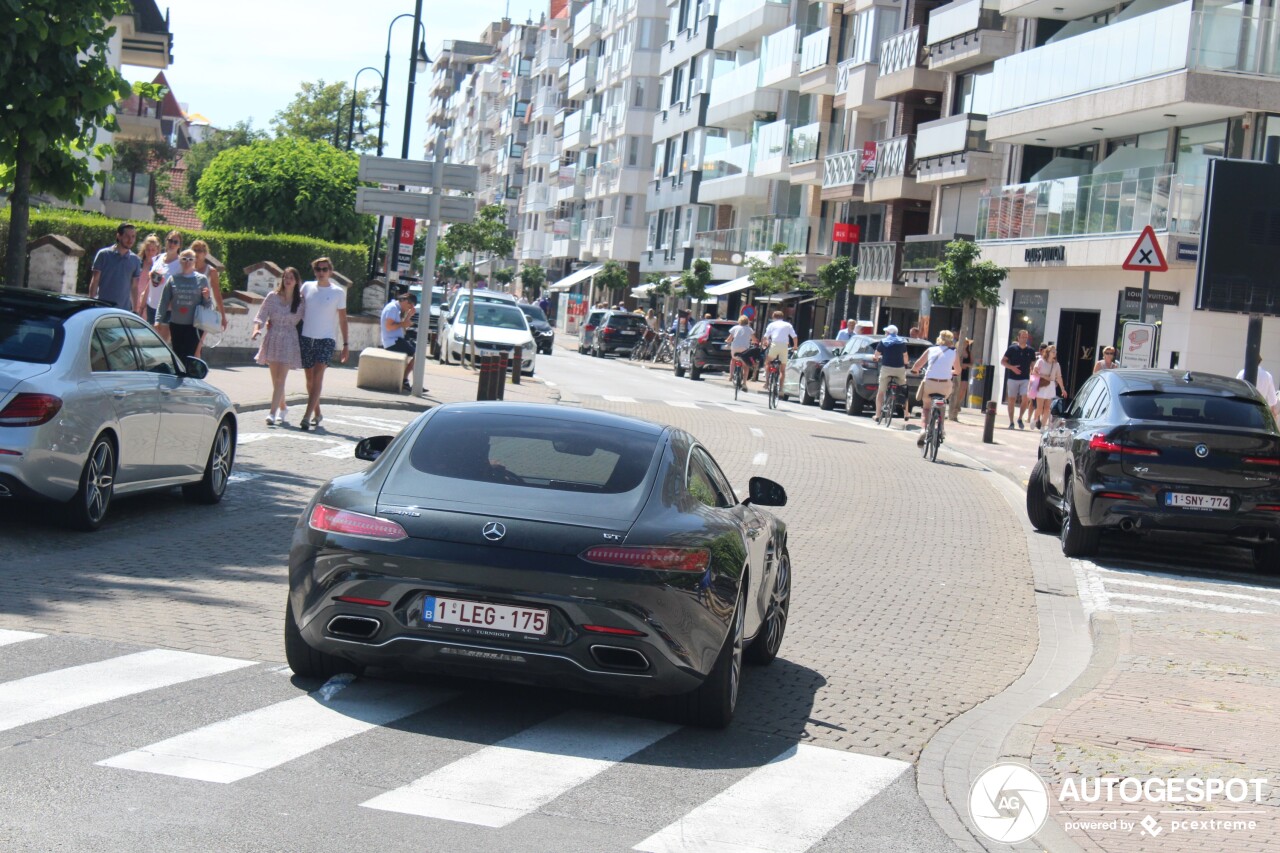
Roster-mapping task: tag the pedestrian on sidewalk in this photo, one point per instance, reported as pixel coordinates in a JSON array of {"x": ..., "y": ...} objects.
[
  {"x": 277, "y": 322},
  {"x": 1266, "y": 385},
  {"x": 325, "y": 315},
  {"x": 1033, "y": 385},
  {"x": 1018, "y": 359},
  {"x": 117, "y": 270},
  {"x": 397, "y": 316},
  {"x": 1048, "y": 381},
  {"x": 962, "y": 386},
  {"x": 940, "y": 367},
  {"x": 1108, "y": 361},
  {"x": 206, "y": 268},
  {"x": 164, "y": 266},
  {"x": 146, "y": 257},
  {"x": 177, "y": 311}
]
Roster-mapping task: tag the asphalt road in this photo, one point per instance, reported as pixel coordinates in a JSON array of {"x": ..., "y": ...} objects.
[{"x": 912, "y": 603}]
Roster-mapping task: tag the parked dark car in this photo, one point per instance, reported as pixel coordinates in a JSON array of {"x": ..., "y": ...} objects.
[
  {"x": 617, "y": 332},
  {"x": 589, "y": 327},
  {"x": 705, "y": 349},
  {"x": 543, "y": 335},
  {"x": 852, "y": 377},
  {"x": 545, "y": 545},
  {"x": 804, "y": 369},
  {"x": 1160, "y": 450}
]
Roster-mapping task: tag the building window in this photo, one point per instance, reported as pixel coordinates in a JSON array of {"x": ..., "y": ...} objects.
[
  {"x": 628, "y": 210},
  {"x": 1030, "y": 307},
  {"x": 973, "y": 92}
]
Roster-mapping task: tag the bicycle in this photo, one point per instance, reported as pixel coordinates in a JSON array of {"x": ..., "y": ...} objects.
[
  {"x": 738, "y": 370},
  {"x": 664, "y": 352},
  {"x": 934, "y": 433},
  {"x": 895, "y": 395},
  {"x": 773, "y": 379}
]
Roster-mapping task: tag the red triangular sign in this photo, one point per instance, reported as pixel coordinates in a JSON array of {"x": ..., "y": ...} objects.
[{"x": 1145, "y": 256}]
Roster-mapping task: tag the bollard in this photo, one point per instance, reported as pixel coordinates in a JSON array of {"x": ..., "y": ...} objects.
[
  {"x": 482, "y": 378},
  {"x": 499, "y": 374},
  {"x": 517, "y": 358},
  {"x": 989, "y": 424}
]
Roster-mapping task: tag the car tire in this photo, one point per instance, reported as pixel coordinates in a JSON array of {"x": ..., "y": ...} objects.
[
  {"x": 1077, "y": 540},
  {"x": 1266, "y": 557},
  {"x": 695, "y": 372},
  {"x": 678, "y": 367},
  {"x": 1042, "y": 518},
  {"x": 853, "y": 404},
  {"x": 307, "y": 662},
  {"x": 712, "y": 704},
  {"x": 824, "y": 396},
  {"x": 217, "y": 469},
  {"x": 764, "y": 648},
  {"x": 86, "y": 511},
  {"x": 806, "y": 399}
]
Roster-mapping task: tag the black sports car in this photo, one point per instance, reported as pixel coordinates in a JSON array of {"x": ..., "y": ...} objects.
[
  {"x": 544, "y": 545},
  {"x": 1160, "y": 450},
  {"x": 543, "y": 334}
]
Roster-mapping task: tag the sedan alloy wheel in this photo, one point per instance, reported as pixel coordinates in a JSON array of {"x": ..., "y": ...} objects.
[{"x": 97, "y": 484}]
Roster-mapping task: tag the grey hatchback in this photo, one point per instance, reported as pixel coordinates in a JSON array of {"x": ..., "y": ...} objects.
[{"x": 94, "y": 404}]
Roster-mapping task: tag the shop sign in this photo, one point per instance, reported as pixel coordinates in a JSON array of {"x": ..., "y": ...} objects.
[
  {"x": 1030, "y": 299},
  {"x": 1137, "y": 344},
  {"x": 1154, "y": 297},
  {"x": 843, "y": 232},
  {"x": 1185, "y": 251},
  {"x": 1045, "y": 255},
  {"x": 868, "y": 162}
]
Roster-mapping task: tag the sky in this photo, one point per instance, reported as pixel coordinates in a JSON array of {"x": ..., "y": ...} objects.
[{"x": 236, "y": 60}]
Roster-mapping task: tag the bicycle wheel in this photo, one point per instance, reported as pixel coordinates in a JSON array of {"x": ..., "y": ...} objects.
[
  {"x": 773, "y": 390},
  {"x": 935, "y": 433},
  {"x": 737, "y": 381},
  {"x": 886, "y": 410}
]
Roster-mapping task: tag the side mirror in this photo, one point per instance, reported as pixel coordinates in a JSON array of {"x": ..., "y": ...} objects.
[
  {"x": 196, "y": 368},
  {"x": 765, "y": 492},
  {"x": 1059, "y": 407},
  {"x": 369, "y": 449}
]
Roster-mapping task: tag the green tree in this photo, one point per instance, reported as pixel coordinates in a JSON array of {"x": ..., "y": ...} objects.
[
  {"x": 612, "y": 278},
  {"x": 781, "y": 273},
  {"x": 504, "y": 276},
  {"x": 836, "y": 278},
  {"x": 486, "y": 233},
  {"x": 694, "y": 280},
  {"x": 661, "y": 283},
  {"x": 199, "y": 156},
  {"x": 58, "y": 89},
  {"x": 321, "y": 112},
  {"x": 967, "y": 283},
  {"x": 532, "y": 277},
  {"x": 284, "y": 186}
]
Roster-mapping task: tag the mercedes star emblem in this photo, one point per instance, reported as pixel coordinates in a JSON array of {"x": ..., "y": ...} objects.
[
  {"x": 494, "y": 530},
  {"x": 1202, "y": 451}
]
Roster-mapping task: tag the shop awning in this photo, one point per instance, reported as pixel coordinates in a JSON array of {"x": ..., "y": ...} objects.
[
  {"x": 802, "y": 295},
  {"x": 575, "y": 277},
  {"x": 740, "y": 283}
]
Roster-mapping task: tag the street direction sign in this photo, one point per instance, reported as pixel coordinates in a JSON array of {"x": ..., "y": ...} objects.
[
  {"x": 1145, "y": 256},
  {"x": 413, "y": 205},
  {"x": 418, "y": 173}
]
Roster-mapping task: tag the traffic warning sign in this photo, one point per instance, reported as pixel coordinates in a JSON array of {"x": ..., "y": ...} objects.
[{"x": 1145, "y": 256}]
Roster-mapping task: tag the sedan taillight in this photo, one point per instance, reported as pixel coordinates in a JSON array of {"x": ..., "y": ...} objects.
[
  {"x": 326, "y": 519},
  {"x": 639, "y": 557},
  {"x": 1102, "y": 444},
  {"x": 1273, "y": 461},
  {"x": 705, "y": 336},
  {"x": 30, "y": 410}
]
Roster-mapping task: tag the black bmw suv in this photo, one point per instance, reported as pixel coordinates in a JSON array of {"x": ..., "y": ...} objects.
[
  {"x": 1160, "y": 450},
  {"x": 617, "y": 332}
]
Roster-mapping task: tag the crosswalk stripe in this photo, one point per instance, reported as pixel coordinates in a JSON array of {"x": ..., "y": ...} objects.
[
  {"x": 786, "y": 806},
  {"x": 8, "y": 637},
  {"x": 683, "y": 404},
  {"x": 805, "y": 418},
  {"x": 243, "y": 746},
  {"x": 619, "y": 399},
  {"x": 1191, "y": 590},
  {"x": 760, "y": 458},
  {"x": 52, "y": 694},
  {"x": 1181, "y": 602},
  {"x": 501, "y": 783}
]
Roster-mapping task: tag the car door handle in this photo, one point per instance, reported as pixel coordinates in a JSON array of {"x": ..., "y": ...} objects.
[
  {"x": 753, "y": 532},
  {"x": 119, "y": 393}
]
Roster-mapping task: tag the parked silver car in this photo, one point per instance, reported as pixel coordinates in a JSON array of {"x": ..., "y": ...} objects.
[{"x": 94, "y": 404}]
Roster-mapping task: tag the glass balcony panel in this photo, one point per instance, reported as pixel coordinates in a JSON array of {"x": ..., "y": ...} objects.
[
  {"x": 780, "y": 50},
  {"x": 732, "y": 161},
  {"x": 923, "y": 254},
  {"x": 772, "y": 139},
  {"x": 804, "y": 143},
  {"x": 814, "y": 49},
  {"x": 735, "y": 82},
  {"x": 735, "y": 10}
]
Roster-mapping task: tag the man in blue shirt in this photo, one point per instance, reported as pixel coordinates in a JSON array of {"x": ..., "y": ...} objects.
[
  {"x": 397, "y": 316},
  {"x": 891, "y": 352},
  {"x": 117, "y": 272}
]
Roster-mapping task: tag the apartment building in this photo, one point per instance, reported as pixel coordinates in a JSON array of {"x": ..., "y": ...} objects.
[{"x": 540, "y": 227}]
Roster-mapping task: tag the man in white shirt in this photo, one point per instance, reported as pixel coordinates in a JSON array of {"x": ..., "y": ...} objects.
[
  {"x": 780, "y": 336},
  {"x": 326, "y": 313},
  {"x": 397, "y": 315},
  {"x": 1266, "y": 386}
]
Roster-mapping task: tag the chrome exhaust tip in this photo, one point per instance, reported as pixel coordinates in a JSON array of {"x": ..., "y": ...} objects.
[
  {"x": 356, "y": 627},
  {"x": 619, "y": 658}
]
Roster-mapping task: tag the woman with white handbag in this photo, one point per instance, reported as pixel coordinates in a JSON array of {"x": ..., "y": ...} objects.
[{"x": 184, "y": 295}]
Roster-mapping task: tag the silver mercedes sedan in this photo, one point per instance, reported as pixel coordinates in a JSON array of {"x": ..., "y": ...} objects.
[{"x": 94, "y": 404}]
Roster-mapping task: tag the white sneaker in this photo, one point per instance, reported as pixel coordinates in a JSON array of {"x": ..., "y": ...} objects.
[{"x": 281, "y": 420}]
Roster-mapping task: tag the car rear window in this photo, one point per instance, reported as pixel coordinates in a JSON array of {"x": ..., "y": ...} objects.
[
  {"x": 534, "y": 312},
  {"x": 34, "y": 338},
  {"x": 539, "y": 453},
  {"x": 625, "y": 321},
  {"x": 1195, "y": 409},
  {"x": 500, "y": 316}
]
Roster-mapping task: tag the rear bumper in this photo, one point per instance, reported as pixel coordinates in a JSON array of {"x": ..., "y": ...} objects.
[{"x": 1144, "y": 511}]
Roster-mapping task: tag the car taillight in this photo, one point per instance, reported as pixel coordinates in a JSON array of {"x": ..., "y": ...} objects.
[
  {"x": 329, "y": 520},
  {"x": 705, "y": 336},
  {"x": 1273, "y": 461},
  {"x": 30, "y": 410},
  {"x": 606, "y": 629},
  {"x": 1103, "y": 444},
  {"x": 639, "y": 557},
  {"x": 608, "y": 330}
]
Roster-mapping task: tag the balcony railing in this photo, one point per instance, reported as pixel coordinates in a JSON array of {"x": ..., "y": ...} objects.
[
  {"x": 601, "y": 230},
  {"x": 893, "y": 156},
  {"x": 771, "y": 140},
  {"x": 780, "y": 53},
  {"x": 1092, "y": 205},
  {"x": 734, "y": 10},
  {"x": 900, "y": 52},
  {"x": 963, "y": 16},
  {"x": 924, "y": 254},
  {"x": 729, "y": 162},
  {"x": 764, "y": 232},
  {"x": 722, "y": 240},
  {"x": 843, "y": 72},
  {"x": 814, "y": 49},
  {"x": 961, "y": 132},
  {"x": 730, "y": 84},
  {"x": 841, "y": 170},
  {"x": 878, "y": 261},
  {"x": 804, "y": 143},
  {"x": 583, "y": 72}
]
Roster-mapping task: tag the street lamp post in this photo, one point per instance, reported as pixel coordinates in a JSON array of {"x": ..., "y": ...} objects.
[
  {"x": 355, "y": 96},
  {"x": 417, "y": 57}
]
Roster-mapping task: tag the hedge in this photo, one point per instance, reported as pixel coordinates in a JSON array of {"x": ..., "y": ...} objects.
[{"x": 236, "y": 251}]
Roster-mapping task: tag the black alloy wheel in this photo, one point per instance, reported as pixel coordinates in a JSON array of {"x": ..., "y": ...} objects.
[
  {"x": 1041, "y": 516},
  {"x": 806, "y": 399},
  {"x": 852, "y": 402},
  {"x": 711, "y": 704},
  {"x": 1077, "y": 540}
]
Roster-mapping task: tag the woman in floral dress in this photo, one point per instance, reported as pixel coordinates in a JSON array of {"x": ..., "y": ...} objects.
[{"x": 279, "y": 316}]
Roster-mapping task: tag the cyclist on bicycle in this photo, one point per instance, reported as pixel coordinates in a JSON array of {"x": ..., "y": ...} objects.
[
  {"x": 891, "y": 352},
  {"x": 739, "y": 339},
  {"x": 779, "y": 337},
  {"x": 940, "y": 365}
]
